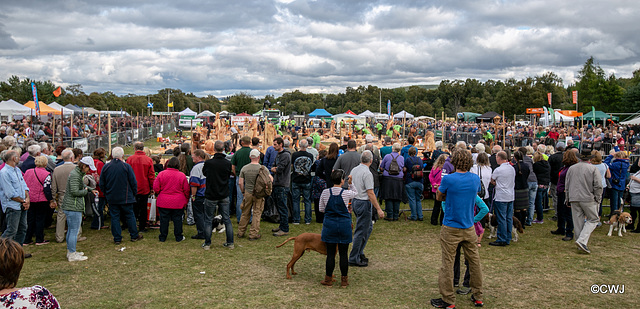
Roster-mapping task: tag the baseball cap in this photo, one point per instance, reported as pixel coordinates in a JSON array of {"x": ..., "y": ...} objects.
[
  {"x": 89, "y": 161},
  {"x": 255, "y": 153}
]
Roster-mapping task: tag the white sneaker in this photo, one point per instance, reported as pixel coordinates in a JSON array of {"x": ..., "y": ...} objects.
[
  {"x": 74, "y": 257},
  {"x": 78, "y": 252}
]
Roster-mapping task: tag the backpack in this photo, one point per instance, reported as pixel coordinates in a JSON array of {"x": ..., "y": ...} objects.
[
  {"x": 416, "y": 171},
  {"x": 263, "y": 185},
  {"x": 394, "y": 167}
]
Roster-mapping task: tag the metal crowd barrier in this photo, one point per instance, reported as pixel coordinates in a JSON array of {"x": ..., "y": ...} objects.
[{"x": 120, "y": 138}]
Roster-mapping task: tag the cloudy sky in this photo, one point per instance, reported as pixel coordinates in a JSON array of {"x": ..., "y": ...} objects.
[{"x": 273, "y": 46}]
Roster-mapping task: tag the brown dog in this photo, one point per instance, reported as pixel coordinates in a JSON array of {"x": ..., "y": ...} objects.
[
  {"x": 304, "y": 242},
  {"x": 619, "y": 221},
  {"x": 493, "y": 225}
]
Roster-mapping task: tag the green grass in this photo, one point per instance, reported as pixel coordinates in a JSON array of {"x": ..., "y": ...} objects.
[{"x": 539, "y": 271}]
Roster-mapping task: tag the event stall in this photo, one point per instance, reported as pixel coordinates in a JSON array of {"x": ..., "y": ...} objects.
[
  {"x": 11, "y": 108},
  {"x": 349, "y": 118},
  {"x": 65, "y": 111},
  {"x": 44, "y": 108},
  {"x": 320, "y": 113}
]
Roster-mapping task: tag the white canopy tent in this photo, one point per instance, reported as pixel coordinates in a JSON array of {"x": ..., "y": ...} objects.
[
  {"x": 425, "y": 118},
  {"x": 558, "y": 118},
  {"x": 348, "y": 118},
  {"x": 632, "y": 121},
  {"x": 187, "y": 112},
  {"x": 367, "y": 114},
  {"x": 65, "y": 111},
  {"x": 12, "y": 108},
  {"x": 402, "y": 114},
  {"x": 205, "y": 113}
]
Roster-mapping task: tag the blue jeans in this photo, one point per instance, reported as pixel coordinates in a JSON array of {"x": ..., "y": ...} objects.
[
  {"x": 303, "y": 189},
  {"x": 116, "y": 229},
  {"x": 614, "y": 200},
  {"x": 533, "y": 189},
  {"x": 74, "y": 219},
  {"x": 414, "y": 193},
  {"x": 280, "y": 194},
  {"x": 504, "y": 214},
  {"x": 210, "y": 207},
  {"x": 16, "y": 225},
  {"x": 238, "y": 199},
  {"x": 362, "y": 210},
  {"x": 393, "y": 208},
  {"x": 198, "y": 214},
  {"x": 541, "y": 195},
  {"x": 98, "y": 214}
]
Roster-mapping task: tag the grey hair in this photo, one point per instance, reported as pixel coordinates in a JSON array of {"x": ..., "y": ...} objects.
[
  {"x": 117, "y": 153},
  {"x": 461, "y": 144},
  {"x": 218, "y": 147},
  {"x": 67, "y": 154},
  {"x": 43, "y": 146},
  {"x": 33, "y": 150},
  {"x": 366, "y": 157},
  {"x": 439, "y": 145},
  {"x": 303, "y": 144},
  {"x": 368, "y": 138},
  {"x": 542, "y": 148},
  {"x": 396, "y": 147},
  {"x": 10, "y": 154},
  {"x": 286, "y": 143},
  {"x": 9, "y": 140}
]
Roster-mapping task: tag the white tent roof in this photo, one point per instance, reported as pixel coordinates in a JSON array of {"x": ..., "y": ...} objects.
[
  {"x": 367, "y": 113},
  {"x": 632, "y": 121},
  {"x": 205, "y": 113},
  {"x": 187, "y": 112},
  {"x": 425, "y": 118},
  {"x": 14, "y": 108},
  {"x": 65, "y": 111},
  {"x": 344, "y": 115},
  {"x": 403, "y": 114}
]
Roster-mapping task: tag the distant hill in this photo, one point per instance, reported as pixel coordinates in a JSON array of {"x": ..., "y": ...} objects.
[{"x": 428, "y": 87}]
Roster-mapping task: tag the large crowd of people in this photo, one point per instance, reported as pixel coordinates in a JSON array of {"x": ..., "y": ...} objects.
[{"x": 465, "y": 180}]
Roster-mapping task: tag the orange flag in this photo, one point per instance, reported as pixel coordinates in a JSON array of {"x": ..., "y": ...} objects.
[{"x": 57, "y": 92}]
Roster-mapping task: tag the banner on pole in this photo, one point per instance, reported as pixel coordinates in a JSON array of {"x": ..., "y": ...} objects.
[
  {"x": 35, "y": 98},
  {"x": 57, "y": 92},
  {"x": 549, "y": 98},
  {"x": 389, "y": 108},
  {"x": 575, "y": 96},
  {"x": 149, "y": 105}
]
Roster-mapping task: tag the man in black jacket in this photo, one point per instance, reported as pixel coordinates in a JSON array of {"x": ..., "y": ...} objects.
[
  {"x": 281, "y": 179},
  {"x": 118, "y": 182},
  {"x": 217, "y": 171},
  {"x": 555, "y": 163}
]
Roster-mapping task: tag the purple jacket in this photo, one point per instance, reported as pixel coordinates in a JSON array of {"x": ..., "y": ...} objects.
[{"x": 386, "y": 163}]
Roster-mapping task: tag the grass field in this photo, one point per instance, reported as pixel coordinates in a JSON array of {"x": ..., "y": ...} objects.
[{"x": 539, "y": 271}]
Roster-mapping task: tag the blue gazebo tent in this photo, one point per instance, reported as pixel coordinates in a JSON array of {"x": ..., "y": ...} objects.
[{"x": 320, "y": 112}]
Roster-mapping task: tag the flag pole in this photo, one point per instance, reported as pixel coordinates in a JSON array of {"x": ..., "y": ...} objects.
[{"x": 504, "y": 131}]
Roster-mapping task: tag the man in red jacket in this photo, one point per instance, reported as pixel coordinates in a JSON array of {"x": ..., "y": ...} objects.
[{"x": 145, "y": 175}]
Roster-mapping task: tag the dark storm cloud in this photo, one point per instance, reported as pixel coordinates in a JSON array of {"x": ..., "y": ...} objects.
[{"x": 221, "y": 47}]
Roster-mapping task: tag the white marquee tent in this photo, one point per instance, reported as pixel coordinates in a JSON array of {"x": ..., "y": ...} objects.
[
  {"x": 65, "y": 111},
  {"x": 12, "y": 108}
]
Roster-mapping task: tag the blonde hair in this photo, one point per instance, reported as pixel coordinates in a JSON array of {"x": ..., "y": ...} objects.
[
  {"x": 440, "y": 160},
  {"x": 537, "y": 157},
  {"x": 41, "y": 161}
]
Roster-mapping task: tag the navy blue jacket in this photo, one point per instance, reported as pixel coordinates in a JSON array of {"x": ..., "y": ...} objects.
[{"x": 118, "y": 182}]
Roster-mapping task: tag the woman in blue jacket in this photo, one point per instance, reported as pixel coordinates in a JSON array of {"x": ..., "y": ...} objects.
[{"x": 619, "y": 168}]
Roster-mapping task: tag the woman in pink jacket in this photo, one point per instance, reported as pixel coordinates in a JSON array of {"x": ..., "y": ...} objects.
[
  {"x": 36, "y": 178},
  {"x": 172, "y": 189},
  {"x": 435, "y": 177}
]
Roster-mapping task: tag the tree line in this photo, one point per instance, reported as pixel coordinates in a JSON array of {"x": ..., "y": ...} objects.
[{"x": 605, "y": 92}]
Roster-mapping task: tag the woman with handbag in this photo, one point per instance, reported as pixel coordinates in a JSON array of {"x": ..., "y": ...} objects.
[
  {"x": 542, "y": 169},
  {"x": 482, "y": 168},
  {"x": 37, "y": 179},
  {"x": 435, "y": 177}
]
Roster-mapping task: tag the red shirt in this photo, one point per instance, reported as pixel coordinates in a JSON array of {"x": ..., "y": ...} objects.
[
  {"x": 553, "y": 134},
  {"x": 143, "y": 169}
]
